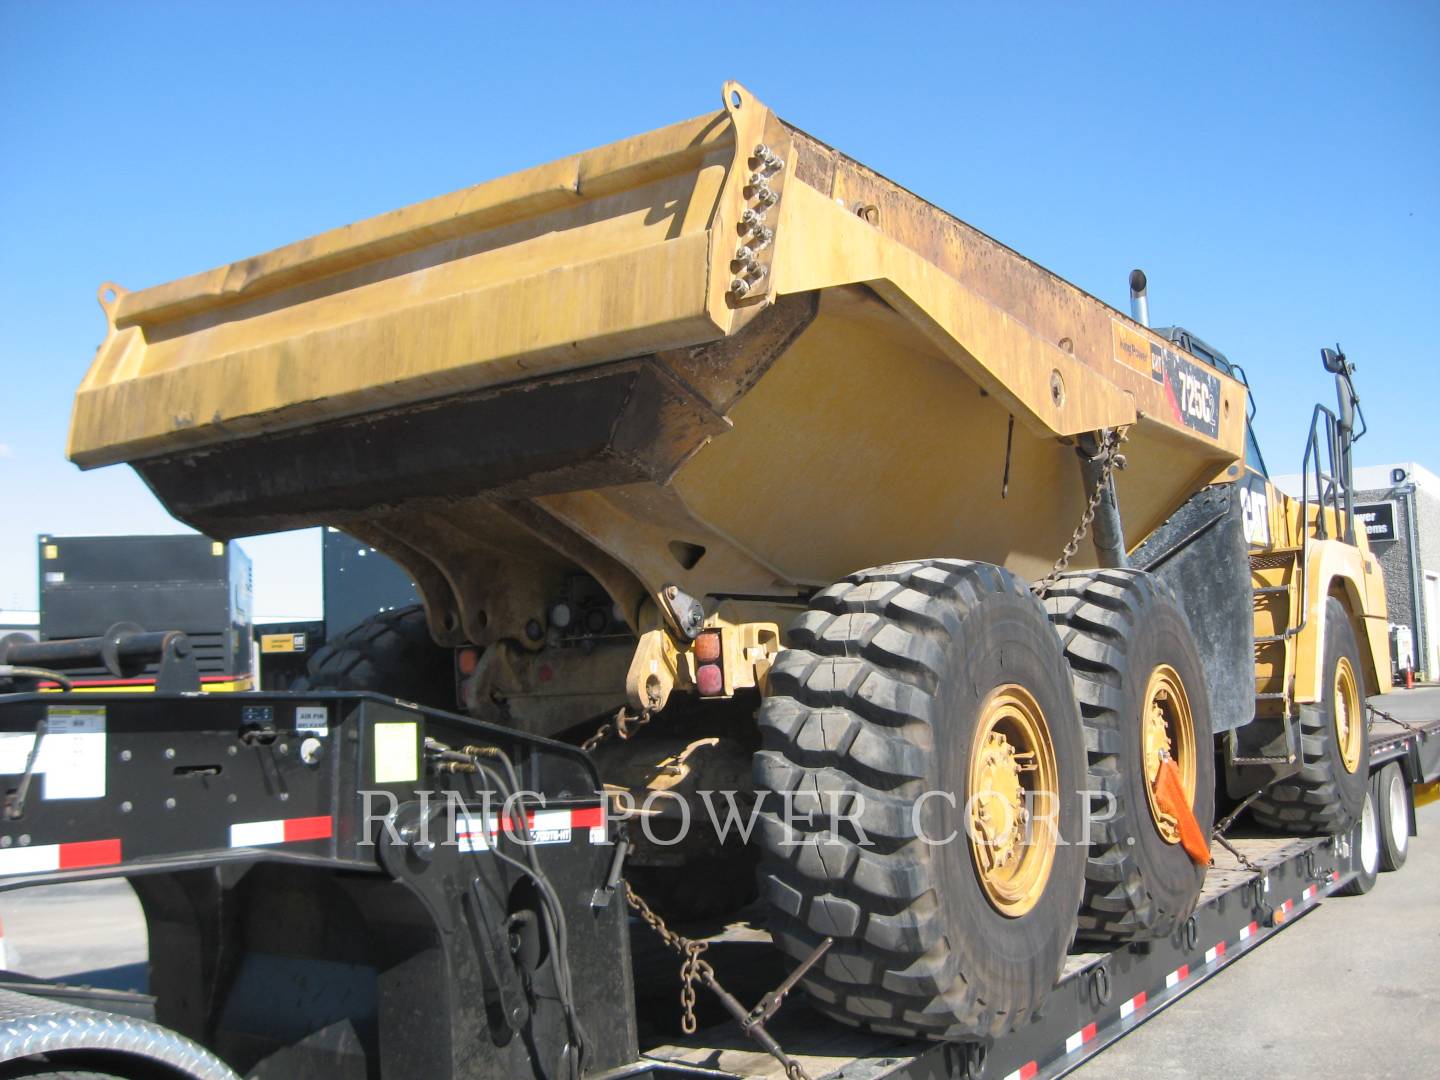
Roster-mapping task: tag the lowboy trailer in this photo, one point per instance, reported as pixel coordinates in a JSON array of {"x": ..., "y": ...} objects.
[{"x": 318, "y": 905}]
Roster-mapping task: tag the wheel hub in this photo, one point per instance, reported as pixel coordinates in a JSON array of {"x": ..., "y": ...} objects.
[
  {"x": 1167, "y": 729},
  {"x": 1013, "y": 783},
  {"x": 1349, "y": 726}
]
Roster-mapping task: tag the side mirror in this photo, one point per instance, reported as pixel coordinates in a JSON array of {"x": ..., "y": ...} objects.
[{"x": 1333, "y": 359}]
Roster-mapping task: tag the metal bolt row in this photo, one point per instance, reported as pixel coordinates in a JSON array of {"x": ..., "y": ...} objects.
[{"x": 752, "y": 271}]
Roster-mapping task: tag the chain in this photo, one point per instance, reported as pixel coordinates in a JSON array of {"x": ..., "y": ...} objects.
[
  {"x": 622, "y": 725},
  {"x": 1110, "y": 459},
  {"x": 1240, "y": 857},
  {"x": 693, "y": 967},
  {"x": 1383, "y": 715}
]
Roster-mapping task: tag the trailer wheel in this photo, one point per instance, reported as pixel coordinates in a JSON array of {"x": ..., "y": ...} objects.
[
  {"x": 391, "y": 653},
  {"x": 908, "y": 689},
  {"x": 1365, "y": 843},
  {"x": 1141, "y": 689},
  {"x": 1392, "y": 804},
  {"x": 1324, "y": 797}
]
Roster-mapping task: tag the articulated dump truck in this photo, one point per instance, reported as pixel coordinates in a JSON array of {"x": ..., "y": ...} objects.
[{"x": 720, "y": 446}]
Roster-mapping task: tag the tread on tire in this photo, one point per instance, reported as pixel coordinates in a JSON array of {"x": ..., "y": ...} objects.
[
  {"x": 1116, "y": 626},
  {"x": 873, "y": 705}
]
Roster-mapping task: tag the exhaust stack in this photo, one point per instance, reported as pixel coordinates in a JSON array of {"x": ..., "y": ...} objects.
[{"x": 1139, "y": 301}]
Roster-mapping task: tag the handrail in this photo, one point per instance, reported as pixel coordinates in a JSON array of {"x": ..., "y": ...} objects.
[{"x": 1332, "y": 491}]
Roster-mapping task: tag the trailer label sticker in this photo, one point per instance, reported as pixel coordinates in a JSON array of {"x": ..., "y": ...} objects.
[
  {"x": 397, "y": 753},
  {"x": 543, "y": 826},
  {"x": 312, "y": 720},
  {"x": 1193, "y": 392},
  {"x": 72, "y": 753}
]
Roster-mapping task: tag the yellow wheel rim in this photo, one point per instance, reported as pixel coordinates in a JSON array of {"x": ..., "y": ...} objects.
[
  {"x": 1014, "y": 800},
  {"x": 1167, "y": 727},
  {"x": 1349, "y": 721}
]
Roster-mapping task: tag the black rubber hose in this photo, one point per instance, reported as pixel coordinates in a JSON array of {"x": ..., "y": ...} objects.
[{"x": 19, "y": 671}]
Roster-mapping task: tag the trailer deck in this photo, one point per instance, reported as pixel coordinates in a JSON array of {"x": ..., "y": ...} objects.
[{"x": 1101, "y": 997}]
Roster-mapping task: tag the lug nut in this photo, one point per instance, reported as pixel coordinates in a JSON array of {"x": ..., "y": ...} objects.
[{"x": 739, "y": 286}]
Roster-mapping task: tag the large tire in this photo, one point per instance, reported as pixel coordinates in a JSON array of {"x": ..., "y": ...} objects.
[
  {"x": 1325, "y": 796},
  {"x": 1121, "y": 629},
  {"x": 890, "y": 676},
  {"x": 1365, "y": 847},
  {"x": 390, "y": 653},
  {"x": 1392, "y": 806}
]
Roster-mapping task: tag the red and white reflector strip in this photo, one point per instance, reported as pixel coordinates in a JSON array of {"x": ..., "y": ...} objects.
[
  {"x": 1080, "y": 1038},
  {"x": 1334, "y": 875},
  {"x": 282, "y": 831},
  {"x": 1247, "y": 932},
  {"x": 1309, "y": 893},
  {"x": 1213, "y": 954},
  {"x": 49, "y": 858},
  {"x": 1176, "y": 977},
  {"x": 544, "y": 827},
  {"x": 1024, "y": 1072},
  {"x": 1129, "y": 1008}
]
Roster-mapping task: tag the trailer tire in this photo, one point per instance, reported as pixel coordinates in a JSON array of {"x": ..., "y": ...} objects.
[
  {"x": 1392, "y": 805},
  {"x": 892, "y": 676},
  {"x": 1130, "y": 649},
  {"x": 1324, "y": 798},
  {"x": 1365, "y": 843},
  {"x": 391, "y": 653}
]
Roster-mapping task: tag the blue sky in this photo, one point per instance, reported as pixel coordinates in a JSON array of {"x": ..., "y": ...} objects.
[{"x": 1275, "y": 169}]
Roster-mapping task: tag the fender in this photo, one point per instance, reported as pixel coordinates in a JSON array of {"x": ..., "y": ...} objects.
[{"x": 1353, "y": 574}]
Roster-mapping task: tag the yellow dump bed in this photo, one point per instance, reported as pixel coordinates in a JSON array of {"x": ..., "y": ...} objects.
[{"x": 720, "y": 355}]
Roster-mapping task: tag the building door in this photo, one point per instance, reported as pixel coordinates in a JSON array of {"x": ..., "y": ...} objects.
[{"x": 1430, "y": 627}]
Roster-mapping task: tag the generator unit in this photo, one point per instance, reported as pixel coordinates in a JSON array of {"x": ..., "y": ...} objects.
[{"x": 89, "y": 584}]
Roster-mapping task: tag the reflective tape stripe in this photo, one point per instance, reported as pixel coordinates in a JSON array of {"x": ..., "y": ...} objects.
[
  {"x": 1137, "y": 1002},
  {"x": 1080, "y": 1038},
  {"x": 282, "y": 831},
  {"x": 1025, "y": 1072},
  {"x": 1211, "y": 955},
  {"x": 48, "y": 858},
  {"x": 1247, "y": 931},
  {"x": 1177, "y": 976}
]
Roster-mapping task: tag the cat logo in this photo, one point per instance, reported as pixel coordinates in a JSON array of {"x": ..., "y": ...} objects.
[{"x": 1256, "y": 506}]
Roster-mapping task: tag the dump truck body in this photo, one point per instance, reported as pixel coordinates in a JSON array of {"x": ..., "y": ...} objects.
[
  {"x": 626, "y": 417},
  {"x": 560, "y": 353}
]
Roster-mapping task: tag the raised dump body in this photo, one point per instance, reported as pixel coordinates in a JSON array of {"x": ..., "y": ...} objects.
[
  {"x": 720, "y": 356},
  {"x": 625, "y": 416}
]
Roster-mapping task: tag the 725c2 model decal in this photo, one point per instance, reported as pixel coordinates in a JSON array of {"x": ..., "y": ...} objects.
[{"x": 1193, "y": 391}]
